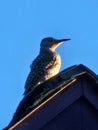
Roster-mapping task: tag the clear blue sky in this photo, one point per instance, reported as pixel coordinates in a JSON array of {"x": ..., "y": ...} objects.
[{"x": 23, "y": 23}]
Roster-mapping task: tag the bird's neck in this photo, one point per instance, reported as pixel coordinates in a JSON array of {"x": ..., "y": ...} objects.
[{"x": 47, "y": 50}]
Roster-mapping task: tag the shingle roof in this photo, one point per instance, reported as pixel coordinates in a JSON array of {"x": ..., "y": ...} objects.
[{"x": 49, "y": 89}]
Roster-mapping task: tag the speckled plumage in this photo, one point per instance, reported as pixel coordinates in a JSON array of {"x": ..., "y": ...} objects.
[{"x": 46, "y": 65}]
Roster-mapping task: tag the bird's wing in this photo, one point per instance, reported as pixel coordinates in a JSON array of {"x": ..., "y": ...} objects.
[{"x": 38, "y": 71}]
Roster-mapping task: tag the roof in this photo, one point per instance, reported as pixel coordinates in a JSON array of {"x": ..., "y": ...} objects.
[{"x": 53, "y": 87}]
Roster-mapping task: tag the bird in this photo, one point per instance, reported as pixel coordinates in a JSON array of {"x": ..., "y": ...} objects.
[{"x": 46, "y": 65}]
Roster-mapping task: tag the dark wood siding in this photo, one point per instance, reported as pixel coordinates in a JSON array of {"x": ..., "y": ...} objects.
[{"x": 79, "y": 116}]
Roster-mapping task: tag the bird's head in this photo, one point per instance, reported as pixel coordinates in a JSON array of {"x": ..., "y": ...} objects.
[{"x": 51, "y": 43}]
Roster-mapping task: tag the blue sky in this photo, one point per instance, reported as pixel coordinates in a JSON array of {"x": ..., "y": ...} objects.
[{"x": 23, "y": 23}]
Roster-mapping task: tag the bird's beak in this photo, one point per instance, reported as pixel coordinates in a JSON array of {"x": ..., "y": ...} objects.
[{"x": 63, "y": 40}]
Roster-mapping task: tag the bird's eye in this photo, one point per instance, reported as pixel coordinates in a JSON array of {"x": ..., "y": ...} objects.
[{"x": 51, "y": 40}]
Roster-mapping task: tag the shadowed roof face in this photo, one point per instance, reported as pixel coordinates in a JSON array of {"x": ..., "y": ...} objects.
[{"x": 57, "y": 86}]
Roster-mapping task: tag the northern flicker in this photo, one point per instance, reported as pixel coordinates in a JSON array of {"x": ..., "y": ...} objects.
[{"x": 46, "y": 65}]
